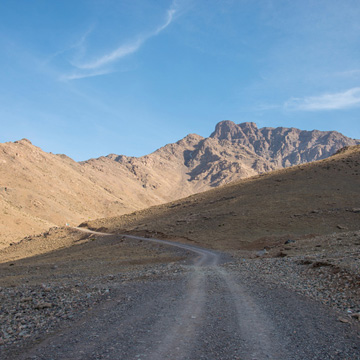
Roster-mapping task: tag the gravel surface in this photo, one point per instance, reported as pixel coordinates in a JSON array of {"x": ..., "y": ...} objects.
[
  {"x": 206, "y": 313},
  {"x": 29, "y": 313},
  {"x": 328, "y": 270},
  {"x": 198, "y": 309}
]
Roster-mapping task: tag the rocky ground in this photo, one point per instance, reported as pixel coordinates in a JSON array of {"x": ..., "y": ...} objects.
[
  {"x": 49, "y": 291},
  {"x": 50, "y": 280},
  {"x": 325, "y": 268},
  {"x": 29, "y": 312}
]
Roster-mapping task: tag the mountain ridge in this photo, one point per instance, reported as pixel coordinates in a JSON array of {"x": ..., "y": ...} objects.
[
  {"x": 39, "y": 190},
  {"x": 299, "y": 202},
  {"x": 235, "y": 151}
]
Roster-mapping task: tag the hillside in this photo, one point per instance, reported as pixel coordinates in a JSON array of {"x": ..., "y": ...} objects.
[
  {"x": 231, "y": 152},
  {"x": 322, "y": 197},
  {"x": 65, "y": 277},
  {"x": 39, "y": 190}
]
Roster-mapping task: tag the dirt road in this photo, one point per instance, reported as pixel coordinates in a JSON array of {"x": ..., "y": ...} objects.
[{"x": 208, "y": 312}]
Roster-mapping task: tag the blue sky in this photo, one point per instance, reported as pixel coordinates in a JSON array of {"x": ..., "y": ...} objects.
[{"x": 88, "y": 78}]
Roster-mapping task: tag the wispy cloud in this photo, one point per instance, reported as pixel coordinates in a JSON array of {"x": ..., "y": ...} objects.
[
  {"x": 78, "y": 45},
  {"x": 341, "y": 100},
  {"x": 130, "y": 47},
  {"x": 82, "y": 75},
  {"x": 118, "y": 53}
]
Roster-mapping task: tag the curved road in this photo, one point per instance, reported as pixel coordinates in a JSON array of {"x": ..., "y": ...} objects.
[{"x": 208, "y": 313}]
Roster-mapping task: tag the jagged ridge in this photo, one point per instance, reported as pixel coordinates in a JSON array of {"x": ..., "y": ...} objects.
[{"x": 38, "y": 189}]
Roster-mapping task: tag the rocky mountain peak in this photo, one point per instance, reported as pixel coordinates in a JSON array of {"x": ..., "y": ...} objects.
[
  {"x": 229, "y": 130},
  {"x": 248, "y": 126},
  {"x": 225, "y": 130},
  {"x": 115, "y": 184}
]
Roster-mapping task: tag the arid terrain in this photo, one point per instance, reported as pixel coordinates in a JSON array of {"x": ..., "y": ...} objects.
[
  {"x": 298, "y": 202},
  {"x": 308, "y": 213},
  {"x": 263, "y": 267},
  {"x": 93, "y": 296},
  {"x": 39, "y": 190},
  {"x": 283, "y": 281}
]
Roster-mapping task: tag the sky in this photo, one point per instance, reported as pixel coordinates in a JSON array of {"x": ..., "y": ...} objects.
[{"x": 92, "y": 77}]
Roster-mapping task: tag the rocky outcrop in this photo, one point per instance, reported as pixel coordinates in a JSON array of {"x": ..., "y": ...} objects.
[
  {"x": 283, "y": 146},
  {"x": 39, "y": 190},
  {"x": 236, "y": 151},
  {"x": 231, "y": 152}
]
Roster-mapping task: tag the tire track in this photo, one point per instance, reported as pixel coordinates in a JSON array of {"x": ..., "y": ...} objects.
[
  {"x": 179, "y": 339},
  {"x": 256, "y": 339},
  {"x": 209, "y": 313},
  {"x": 257, "y": 331}
]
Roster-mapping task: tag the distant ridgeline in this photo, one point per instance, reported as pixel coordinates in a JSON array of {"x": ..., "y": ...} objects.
[{"x": 39, "y": 190}]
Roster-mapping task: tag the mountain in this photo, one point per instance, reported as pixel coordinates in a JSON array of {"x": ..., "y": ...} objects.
[
  {"x": 232, "y": 152},
  {"x": 299, "y": 202},
  {"x": 39, "y": 190}
]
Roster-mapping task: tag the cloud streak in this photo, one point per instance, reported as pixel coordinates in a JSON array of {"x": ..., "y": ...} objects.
[
  {"x": 82, "y": 75},
  {"x": 335, "y": 101},
  {"x": 79, "y": 46},
  {"x": 129, "y": 48}
]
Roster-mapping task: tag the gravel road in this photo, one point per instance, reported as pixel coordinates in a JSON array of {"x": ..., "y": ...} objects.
[{"x": 207, "y": 311}]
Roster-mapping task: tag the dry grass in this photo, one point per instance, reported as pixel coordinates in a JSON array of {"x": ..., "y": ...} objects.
[
  {"x": 63, "y": 254},
  {"x": 300, "y": 203},
  {"x": 39, "y": 190},
  {"x": 306, "y": 200}
]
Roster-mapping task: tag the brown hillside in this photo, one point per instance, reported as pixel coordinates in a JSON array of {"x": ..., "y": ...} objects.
[
  {"x": 232, "y": 152},
  {"x": 39, "y": 190},
  {"x": 306, "y": 200}
]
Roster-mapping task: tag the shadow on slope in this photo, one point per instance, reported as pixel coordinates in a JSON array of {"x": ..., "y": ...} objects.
[
  {"x": 306, "y": 200},
  {"x": 64, "y": 254}
]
